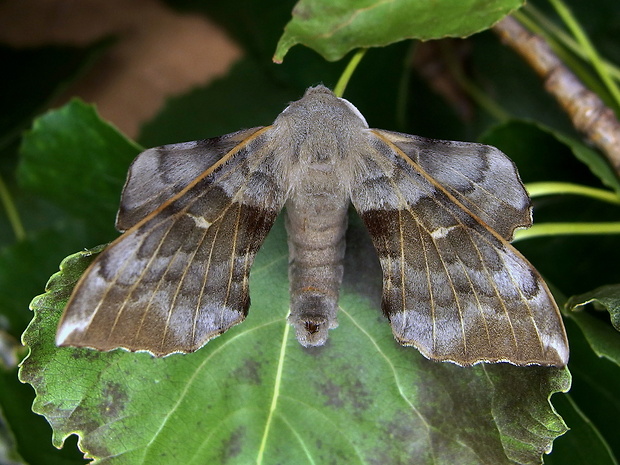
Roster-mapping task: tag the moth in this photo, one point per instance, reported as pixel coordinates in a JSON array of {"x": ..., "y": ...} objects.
[{"x": 440, "y": 214}]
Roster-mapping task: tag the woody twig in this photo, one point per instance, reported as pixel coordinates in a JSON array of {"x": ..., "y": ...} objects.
[{"x": 587, "y": 111}]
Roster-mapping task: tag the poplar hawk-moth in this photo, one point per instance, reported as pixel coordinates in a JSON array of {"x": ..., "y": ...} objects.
[{"x": 440, "y": 214}]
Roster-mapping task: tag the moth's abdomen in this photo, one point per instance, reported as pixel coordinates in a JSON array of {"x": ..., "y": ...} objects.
[{"x": 316, "y": 227}]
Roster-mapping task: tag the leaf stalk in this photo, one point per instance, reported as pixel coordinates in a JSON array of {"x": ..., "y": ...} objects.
[
  {"x": 11, "y": 212},
  {"x": 348, "y": 72}
]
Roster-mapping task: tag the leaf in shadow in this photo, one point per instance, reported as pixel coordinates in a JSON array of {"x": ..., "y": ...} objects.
[
  {"x": 596, "y": 382},
  {"x": 604, "y": 297},
  {"x": 583, "y": 444}
]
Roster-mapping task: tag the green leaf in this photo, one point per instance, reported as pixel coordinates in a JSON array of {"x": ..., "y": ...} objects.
[
  {"x": 583, "y": 444},
  {"x": 333, "y": 28},
  {"x": 606, "y": 296},
  {"x": 256, "y": 393},
  {"x": 603, "y": 339},
  {"x": 596, "y": 383},
  {"x": 74, "y": 159}
]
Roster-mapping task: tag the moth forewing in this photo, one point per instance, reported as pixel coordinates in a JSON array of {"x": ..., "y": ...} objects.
[
  {"x": 453, "y": 286},
  {"x": 179, "y": 276},
  {"x": 160, "y": 173},
  {"x": 478, "y": 176},
  {"x": 440, "y": 214}
]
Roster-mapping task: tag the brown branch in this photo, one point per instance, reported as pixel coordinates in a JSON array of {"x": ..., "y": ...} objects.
[{"x": 587, "y": 111}]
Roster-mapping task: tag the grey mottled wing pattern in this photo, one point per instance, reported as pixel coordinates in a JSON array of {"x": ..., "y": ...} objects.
[
  {"x": 179, "y": 275},
  {"x": 453, "y": 286},
  {"x": 480, "y": 177},
  {"x": 159, "y": 173}
]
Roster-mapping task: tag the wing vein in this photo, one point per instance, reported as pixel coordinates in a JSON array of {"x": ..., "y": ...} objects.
[
  {"x": 138, "y": 280},
  {"x": 430, "y": 287}
]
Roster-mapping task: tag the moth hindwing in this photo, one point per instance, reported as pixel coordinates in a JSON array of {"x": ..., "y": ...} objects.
[{"x": 440, "y": 214}]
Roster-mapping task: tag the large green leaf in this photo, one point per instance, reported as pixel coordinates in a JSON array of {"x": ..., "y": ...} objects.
[
  {"x": 333, "y": 28},
  {"x": 77, "y": 161},
  {"x": 255, "y": 393}
]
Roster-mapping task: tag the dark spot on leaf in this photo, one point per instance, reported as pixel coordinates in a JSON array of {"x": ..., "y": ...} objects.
[
  {"x": 360, "y": 398},
  {"x": 401, "y": 431},
  {"x": 234, "y": 444},
  {"x": 248, "y": 372},
  {"x": 333, "y": 392},
  {"x": 349, "y": 392},
  {"x": 81, "y": 420},
  {"x": 84, "y": 354},
  {"x": 113, "y": 400}
]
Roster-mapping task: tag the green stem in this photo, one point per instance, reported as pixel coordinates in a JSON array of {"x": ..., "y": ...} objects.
[
  {"x": 585, "y": 43},
  {"x": 348, "y": 72},
  {"x": 11, "y": 212},
  {"x": 566, "y": 229},
  {"x": 538, "y": 189}
]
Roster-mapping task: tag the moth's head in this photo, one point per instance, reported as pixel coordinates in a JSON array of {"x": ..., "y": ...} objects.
[{"x": 319, "y": 105}]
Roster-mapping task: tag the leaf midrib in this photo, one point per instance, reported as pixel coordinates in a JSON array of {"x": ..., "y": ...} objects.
[{"x": 276, "y": 395}]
